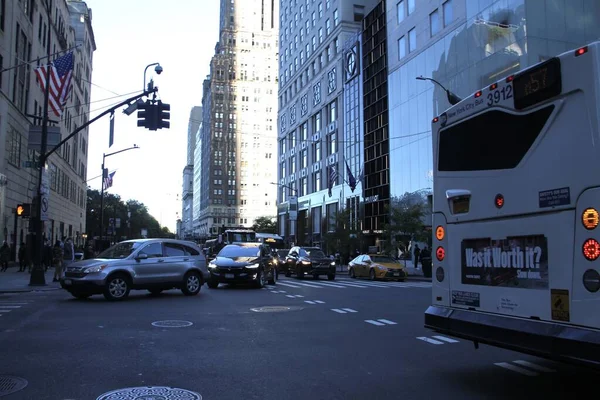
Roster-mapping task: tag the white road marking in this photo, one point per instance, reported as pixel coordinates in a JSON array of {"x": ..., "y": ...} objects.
[
  {"x": 327, "y": 284},
  {"x": 319, "y": 302},
  {"x": 533, "y": 366},
  {"x": 290, "y": 296},
  {"x": 5, "y": 311},
  {"x": 387, "y": 321},
  {"x": 349, "y": 310},
  {"x": 288, "y": 285},
  {"x": 337, "y": 310},
  {"x": 514, "y": 368},
  {"x": 372, "y": 322},
  {"x": 445, "y": 339},
  {"x": 308, "y": 285},
  {"x": 309, "y": 302},
  {"x": 428, "y": 340}
]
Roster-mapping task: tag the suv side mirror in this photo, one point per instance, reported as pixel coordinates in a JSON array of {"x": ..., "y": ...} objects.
[{"x": 141, "y": 256}]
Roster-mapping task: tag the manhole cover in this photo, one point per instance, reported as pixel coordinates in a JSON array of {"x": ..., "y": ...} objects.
[
  {"x": 150, "y": 393},
  {"x": 11, "y": 384},
  {"x": 275, "y": 309},
  {"x": 172, "y": 323}
]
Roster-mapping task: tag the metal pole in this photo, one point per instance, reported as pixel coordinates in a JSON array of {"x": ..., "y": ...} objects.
[
  {"x": 102, "y": 200},
  {"x": 38, "y": 276},
  {"x": 146, "y": 69}
]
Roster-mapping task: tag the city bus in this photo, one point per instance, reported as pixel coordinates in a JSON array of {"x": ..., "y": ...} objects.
[
  {"x": 516, "y": 205},
  {"x": 274, "y": 241}
]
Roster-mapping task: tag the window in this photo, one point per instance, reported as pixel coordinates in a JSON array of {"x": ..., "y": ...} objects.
[
  {"x": 448, "y": 13},
  {"x": 320, "y": 10},
  {"x": 174, "y": 250},
  {"x": 434, "y": 22},
  {"x": 336, "y": 17},
  {"x": 320, "y": 35},
  {"x": 327, "y": 4},
  {"x": 328, "y": 26},
  {"x": 314, "y": 18},
  {"x": 411, "y": 6},
  {"x": 331, "y": 141},
  {"x": 332, "y": 84},
  {"x": 153, "y": 250},
  {"x": 412, "y": 40},
  {"x": 333, "y": 111},
  {"x": 402, "y": 47},
  {"x": 317, "y": 122},
  {"x": 317, "y": 93},
  {"x": 14, "y": 147},
  {"x": 304, "y": 159},
  {"x": 317, "y": 151},
  {"x": 304, "y": 131},
  {"x": 400, "y": 7},
  {"x": 317, "y": 181}
]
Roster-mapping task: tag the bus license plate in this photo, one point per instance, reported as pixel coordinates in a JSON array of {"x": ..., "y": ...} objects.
[{"x": 229, "y": 276}]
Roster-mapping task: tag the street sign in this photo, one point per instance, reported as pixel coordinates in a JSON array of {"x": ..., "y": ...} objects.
[
  {"x": 45, "y": 191},
  {"x": 30, "y": 164},
  {"x": 35, "y": 137}
]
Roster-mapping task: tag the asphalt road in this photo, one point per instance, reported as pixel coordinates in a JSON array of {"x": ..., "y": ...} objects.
[{"x": 331, "y": 341}]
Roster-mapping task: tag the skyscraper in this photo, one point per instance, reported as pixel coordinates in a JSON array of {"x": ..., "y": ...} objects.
[
  {"x": 239, "y": 144},
  {"x": 187, "y": 205}
]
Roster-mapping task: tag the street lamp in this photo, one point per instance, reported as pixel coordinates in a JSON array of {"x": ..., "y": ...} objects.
[
  {"x": 452, "y": 98},
  {"x": 158, "y": 69},
  {"x": 135, "y": 146}
]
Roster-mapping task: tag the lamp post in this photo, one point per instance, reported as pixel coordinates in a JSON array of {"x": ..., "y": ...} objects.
[
  {"x": 135, "y": 146},
  {"x": 158, "y": 69},
  {"x": 452, "y": 98},
  {"x": 293, "y": 217}
]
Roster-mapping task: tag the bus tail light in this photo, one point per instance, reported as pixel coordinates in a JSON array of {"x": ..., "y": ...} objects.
[
  {"x": 591, "y": 249},
  {"x": 510, "y": 78},
  {"x": 581, "y": 51},
  {"x": 590, "y": 218},
  {"x": 440, "y": 233},
  {"x": 493, "y": 86},
  {"x": 440, "y": 253},
  {"x": 478, "y": 94}
]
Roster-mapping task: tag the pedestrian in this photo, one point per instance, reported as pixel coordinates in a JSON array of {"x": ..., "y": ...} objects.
[
  {"x": 68, "y": 253},
  {"x": 47, "y": 257},
  {"x": 22, "y": 257},
  {"x": 4, "y": 255},
  {"x": 417, "y": 253},
  {"x": 57, "y": 260}
]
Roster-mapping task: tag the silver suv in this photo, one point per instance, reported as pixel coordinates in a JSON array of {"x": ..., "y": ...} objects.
[{"x": 151, "y": 264}]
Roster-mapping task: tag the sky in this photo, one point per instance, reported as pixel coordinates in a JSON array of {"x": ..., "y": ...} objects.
[{"x": 130, "y": 35}]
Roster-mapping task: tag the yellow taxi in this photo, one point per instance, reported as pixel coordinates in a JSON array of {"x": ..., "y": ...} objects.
[{"x": 376, "y": 266}]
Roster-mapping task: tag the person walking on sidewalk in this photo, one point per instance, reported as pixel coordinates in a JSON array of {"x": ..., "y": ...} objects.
[
  {"x": 22, "y": 257},
  {"x": 57, "y": 259},
  {"x": 4, "y": 255},
  {"x": 68, "y": 253}
]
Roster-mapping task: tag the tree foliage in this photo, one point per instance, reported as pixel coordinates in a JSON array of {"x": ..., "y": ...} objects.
[
  {"x": 407, "y": 221},
  {"x": 265, "y": 225},
  {"x": 344, "y": 238},
  {"x": 114, "y": 207}
]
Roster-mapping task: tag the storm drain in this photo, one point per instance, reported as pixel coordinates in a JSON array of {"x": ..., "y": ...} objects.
[
  {"x": 150, "y": 393},
  {"x": 11, "y": 384},
  {"x": 273, "y": 309},
  {"x": 172, "y": 323}
]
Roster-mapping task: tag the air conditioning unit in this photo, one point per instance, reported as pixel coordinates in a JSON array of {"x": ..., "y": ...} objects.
[
  {"x": 282, "y": 158},
  {"x": 303, "y": 145},
  {"x": 332, "y": 127},
  {"x": 292, "y": 152},
  {"x": 303, "y": 173}
]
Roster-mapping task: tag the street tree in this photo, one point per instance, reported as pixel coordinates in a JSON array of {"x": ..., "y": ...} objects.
[
  {"x": 342, "y": 235},
  {"x": 265, "y": 225},
  {"x": 407, "y": 221}
]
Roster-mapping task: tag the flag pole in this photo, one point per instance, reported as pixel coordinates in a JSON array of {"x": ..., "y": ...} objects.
[
  {"x": 38, "y": 276},
  {"x": 104, "y": 175}
]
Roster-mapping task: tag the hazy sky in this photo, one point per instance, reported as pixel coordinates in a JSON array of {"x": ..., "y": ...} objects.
[{"x": 181, "y": 35}]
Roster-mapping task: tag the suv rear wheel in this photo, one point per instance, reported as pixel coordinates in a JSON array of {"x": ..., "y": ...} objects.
[{"x": 191, "y": 284}]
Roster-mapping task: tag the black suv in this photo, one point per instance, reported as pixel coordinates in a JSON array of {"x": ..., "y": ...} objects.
[
  {"x": 243, "y": 263},
  {"x": 309, "y": 261}
]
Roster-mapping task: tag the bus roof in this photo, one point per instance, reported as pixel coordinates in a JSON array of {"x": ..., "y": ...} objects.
[{"x": 268, "y": 236}]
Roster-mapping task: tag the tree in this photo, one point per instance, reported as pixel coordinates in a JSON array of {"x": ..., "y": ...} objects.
[
  {"x": 343, "y": 238},
  {"x": 407, "y": 221},
  {"x": 114, "y": 207},
  {"x": 265, "y": 225}
]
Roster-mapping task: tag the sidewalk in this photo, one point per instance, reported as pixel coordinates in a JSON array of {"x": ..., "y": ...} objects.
[
  {"x": 414, "y": 274},
  {"x": 13, "y": 281}
]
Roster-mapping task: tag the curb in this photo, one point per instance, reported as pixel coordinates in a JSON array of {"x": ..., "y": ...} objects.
[{"x": 27, "y": 290}]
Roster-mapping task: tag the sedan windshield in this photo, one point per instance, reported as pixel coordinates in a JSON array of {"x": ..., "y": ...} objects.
[
  {"x": 239, "y": 251},
  {"x": 315, "y": 253},
  {"x": 382, "y": 259},
  {"x": 119, "y": 250}
]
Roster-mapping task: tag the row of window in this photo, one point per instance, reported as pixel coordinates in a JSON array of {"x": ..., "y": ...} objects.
[{"x": 408, "y": 43}]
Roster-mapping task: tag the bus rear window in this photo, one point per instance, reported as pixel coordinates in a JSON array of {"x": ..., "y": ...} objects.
[{"x": 492, "y": 140}]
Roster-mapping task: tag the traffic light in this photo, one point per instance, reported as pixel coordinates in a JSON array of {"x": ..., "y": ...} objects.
[
  {"x": 23, "y": 210},
  {"x": 147, "y": 116},
  {"x": 163, "y": 115}
]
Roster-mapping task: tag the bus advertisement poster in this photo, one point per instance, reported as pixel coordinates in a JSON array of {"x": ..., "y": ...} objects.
[{"x": 518, "y": 261}]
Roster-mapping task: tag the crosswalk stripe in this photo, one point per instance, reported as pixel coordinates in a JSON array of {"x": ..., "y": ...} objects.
[
  {"x": 4, "y": 311},
  {"x": 372, "y": 322},
  {"x": 324, "y": 284},
  {"x": 309, "y": 302},
  {"x": 533, "y": 366},
  {"x": 287, "y": 284},
  {"x": 308, "y": 285},
  {"x": 3, "y": 306},
  {"x": 445, "y": 339},
  {"x": 337, "y": 310},
  {"x": 319, "y": 302},
  {"x": 387, "y": 321},
  {"x": 514, "y": 368},
  {"x": 349, "y": 310},
  {"x": 429, "y": 340}
]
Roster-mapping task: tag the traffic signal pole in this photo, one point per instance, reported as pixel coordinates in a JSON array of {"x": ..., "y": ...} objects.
[{"x": 38, "y": 277}]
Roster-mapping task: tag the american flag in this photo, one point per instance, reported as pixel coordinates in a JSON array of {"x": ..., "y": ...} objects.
[
  {"x": 108, "y": 180},
  {"x": 332, "y": 178},
  {"x": 61, "y": 73}
]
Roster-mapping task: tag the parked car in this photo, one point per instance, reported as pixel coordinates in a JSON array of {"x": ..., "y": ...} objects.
[
  {"x": 309, "y": 261},
  {"x": 141, "y": 264},
  {"x": 247, "y": 262},
  {"x": 376, "y": 266}
]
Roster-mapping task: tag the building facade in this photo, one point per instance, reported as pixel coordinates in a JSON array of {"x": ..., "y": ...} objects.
[
  {"x": 317, "y": 134},
  {"x": 24, "y": 35},
  {"x": 241, "y": 139},
  {"x": 187, "y": 196},
  {"x": 201, "y": 219}
]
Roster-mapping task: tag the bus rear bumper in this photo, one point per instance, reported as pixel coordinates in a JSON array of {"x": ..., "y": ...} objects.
[{"x": 553, "y": 341}]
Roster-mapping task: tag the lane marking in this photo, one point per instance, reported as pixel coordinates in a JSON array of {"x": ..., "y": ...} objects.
[
  {"x": 308, "y": 285},
  {"x": 533, "y": 366},
  {"x": 349, "y": 310},
  {"x": 290, "y": 296},
  {"x": 319, "y": 302},
  {"x": 428, "y": 340},
  {"x": 288, "y": 285},
  {"x": 309, "y": 302},
  {"x": 514, "y": 368},
  {"x": 387, "y": 321},
  {"x": 331, "y": 285},
  {"x": 445, "y": 339},
  {"x": 13, "y": 307},
  {"x": 372, "y": 322},
  {"x": 337, "y": 310}
]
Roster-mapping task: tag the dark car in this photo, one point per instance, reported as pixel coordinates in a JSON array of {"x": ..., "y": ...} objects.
[
  {"x": 280, "y": 255},
  {"x": 309, "y": 261},
  {"x": 243, "y": 263}
]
